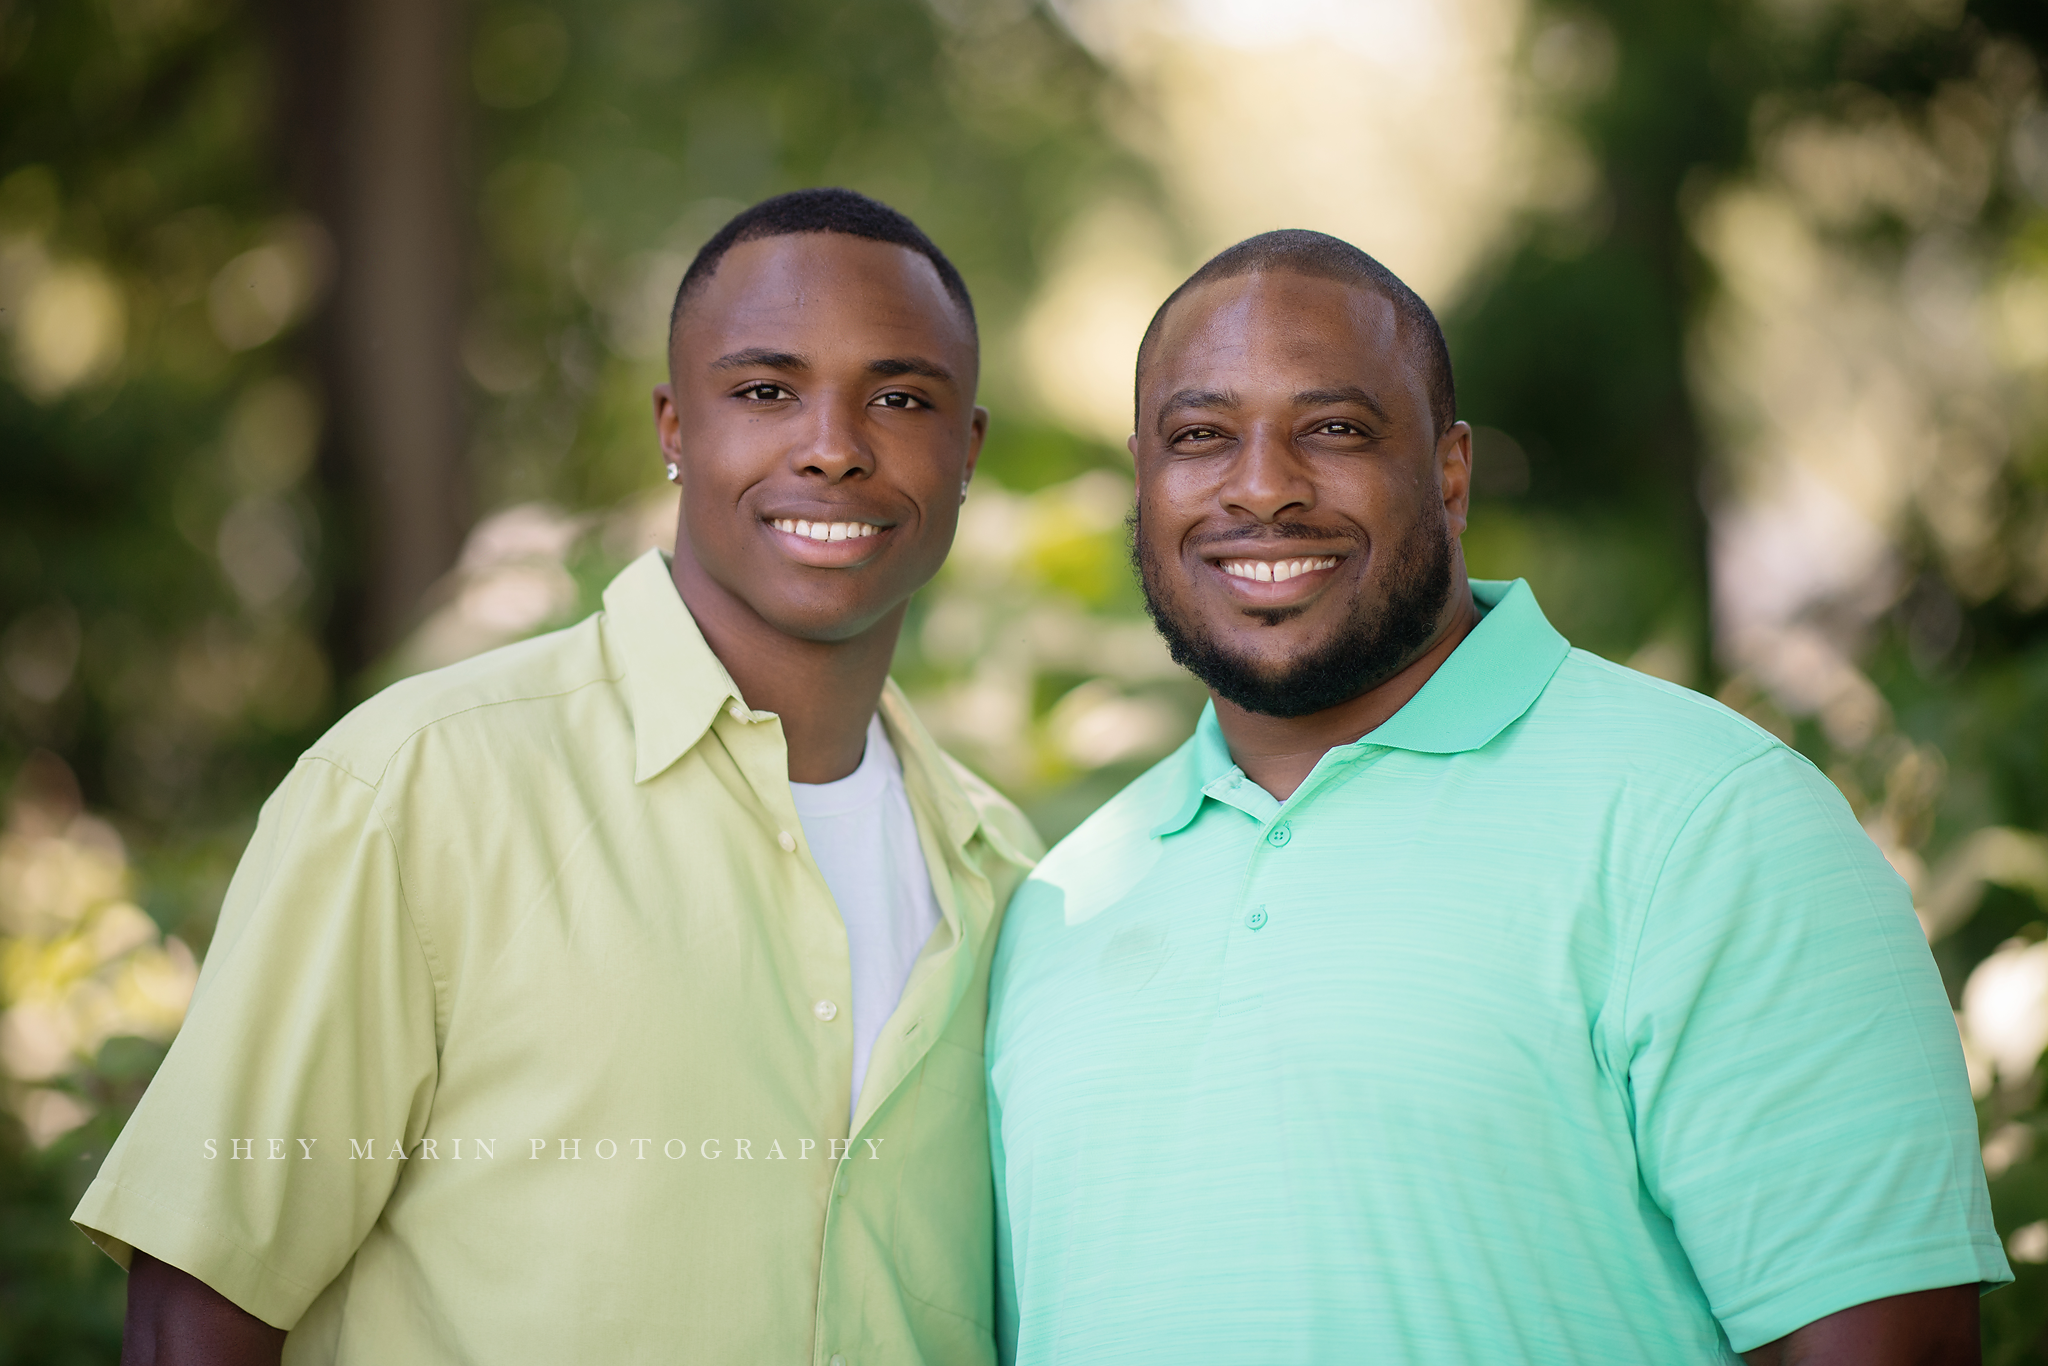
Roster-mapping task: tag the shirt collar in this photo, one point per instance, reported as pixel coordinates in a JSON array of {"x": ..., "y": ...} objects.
[
  {"x": 675, "y": 688},
  {"x": 674, "y": 684},
  {"x": 1493, "y": 677},
  {"x": 925, "y": 768}
]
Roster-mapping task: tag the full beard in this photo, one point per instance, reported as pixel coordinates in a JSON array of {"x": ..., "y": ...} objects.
[{"x": 1375, "y": 643}]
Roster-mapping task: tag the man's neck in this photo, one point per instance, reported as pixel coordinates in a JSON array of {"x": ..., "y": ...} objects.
[
  {"x": 824, "y": 691},
  {"x": 1279, "y": 752}
]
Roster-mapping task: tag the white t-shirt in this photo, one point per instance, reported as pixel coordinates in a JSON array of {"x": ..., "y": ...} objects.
[{"x": 865, "y": 841}]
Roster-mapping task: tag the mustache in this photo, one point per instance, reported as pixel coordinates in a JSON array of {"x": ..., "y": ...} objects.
[{"x": 1277, "y": 531}]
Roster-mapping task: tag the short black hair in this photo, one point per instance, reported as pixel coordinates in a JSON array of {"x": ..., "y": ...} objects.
[
  {"x": 826, "y": 210},
  {"x": 1330, "y": 258}
]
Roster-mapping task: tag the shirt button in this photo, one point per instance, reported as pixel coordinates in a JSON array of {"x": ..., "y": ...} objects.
[
  {"x": 737, "y": 712},
  {"x": 837, "y": 1360},
  {"x": 825, "y": 1010},
  {"x": 786, "y": 840},
  {"x": 1279, "y": 835},
  {"x": 1256, "y": 918}
]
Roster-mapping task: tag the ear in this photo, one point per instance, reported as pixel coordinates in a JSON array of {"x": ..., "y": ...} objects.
[
  {"x": 1454, "y": 473},
  {"x": 977, "y": 432},
  {"x": 668, "y": 425}
]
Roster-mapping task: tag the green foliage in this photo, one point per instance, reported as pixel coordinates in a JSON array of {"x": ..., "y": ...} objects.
[
  {"x": 60, "y": 1297},
  {"x": 634, "y": 129},
  {"x": 135, "y": 182},
  {"x": 171, "y": 553}
]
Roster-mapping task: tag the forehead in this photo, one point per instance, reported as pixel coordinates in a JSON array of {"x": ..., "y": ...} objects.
[
  {"x": 828, "y": 282},
  {"x": 1277, "y": 327}
]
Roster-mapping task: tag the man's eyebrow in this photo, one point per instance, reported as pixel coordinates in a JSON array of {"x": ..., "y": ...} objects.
[
  {"x": 1198, "y": 398},
  {"x": 761, "y": 357},
  {"x": 1316, "y": 398},
  {"x": 891, "y": 366}
]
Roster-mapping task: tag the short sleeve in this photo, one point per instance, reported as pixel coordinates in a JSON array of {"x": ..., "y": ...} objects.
[
  {"x": 1802, "y": 1112},
  {"x": 312, "y": 1031}
]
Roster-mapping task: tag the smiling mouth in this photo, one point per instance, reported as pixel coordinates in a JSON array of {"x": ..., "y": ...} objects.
[
  {"x": 826, "y": 531},
  {"x": 1276, "y": 571}
]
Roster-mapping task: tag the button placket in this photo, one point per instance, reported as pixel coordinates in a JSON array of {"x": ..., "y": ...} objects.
[
  {"x": 1245, "y": 949},
  {"x": 1252, "y": 938}
]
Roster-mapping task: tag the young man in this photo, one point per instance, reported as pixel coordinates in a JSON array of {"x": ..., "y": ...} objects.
[
  {"x": 618, "y": 996},
  {"x": 1452, "y": 996}
]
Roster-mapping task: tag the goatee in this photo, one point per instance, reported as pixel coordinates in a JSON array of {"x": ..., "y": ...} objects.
[{"x": 1373, "y": 646}]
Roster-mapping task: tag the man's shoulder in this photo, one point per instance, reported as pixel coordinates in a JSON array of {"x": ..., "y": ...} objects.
[
  {"x": 1604, "y": 705},
  {"x": 1124, "y": 824},
  {"x": 486, "y": 693}
]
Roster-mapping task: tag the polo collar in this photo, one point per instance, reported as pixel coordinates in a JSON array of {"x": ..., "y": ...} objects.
[
  {"x": 676, "y": 687},
  {"x": 1493, "y": 677}
]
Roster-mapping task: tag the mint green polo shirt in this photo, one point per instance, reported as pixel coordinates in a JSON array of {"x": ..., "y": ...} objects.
[{"x": 1567, "y": 1017}]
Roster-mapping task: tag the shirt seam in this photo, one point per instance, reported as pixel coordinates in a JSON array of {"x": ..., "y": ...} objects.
[
  {"x": 1624, "y": 976},
  {"x": 398, "y": 747},
  {"x": 1960, "y": 1178},
  {"x": 435, "y": 973}
]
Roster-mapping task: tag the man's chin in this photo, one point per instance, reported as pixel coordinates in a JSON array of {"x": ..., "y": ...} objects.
[
  {"x": 825, "y": 627},
  {"x": 1293, "y": 685}
]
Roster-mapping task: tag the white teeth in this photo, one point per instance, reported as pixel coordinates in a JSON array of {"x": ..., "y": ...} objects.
[
  {"x": 1276, "y": 571},
  {"x": 824, "y": 531}
]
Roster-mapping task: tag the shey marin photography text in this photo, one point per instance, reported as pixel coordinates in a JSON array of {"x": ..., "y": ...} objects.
[{"x": 539, "y": 1149}]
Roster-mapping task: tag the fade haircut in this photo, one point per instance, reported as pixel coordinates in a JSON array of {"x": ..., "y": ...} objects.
[
  {"x": 1318, "y": 254},
  {"x": 829, "y": 210}
]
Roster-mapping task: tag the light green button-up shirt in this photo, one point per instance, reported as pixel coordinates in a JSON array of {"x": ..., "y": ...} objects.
[
  {"x": 1565, "y": 1018},
  {"x": 525, "y": 1037}
]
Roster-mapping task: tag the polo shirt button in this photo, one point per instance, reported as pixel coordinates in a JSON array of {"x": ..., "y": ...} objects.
[
  {"x": 825, "y": 1010},
  {"x": 1279, "y": 835},
  {"x": 1256, "y": 918},
  {"x": 786, "y": 840}
]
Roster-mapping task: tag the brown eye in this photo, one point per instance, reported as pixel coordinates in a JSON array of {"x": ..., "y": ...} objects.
[
  {"x": 901, "y": 401},
  {"x": 765, "y": 392}
]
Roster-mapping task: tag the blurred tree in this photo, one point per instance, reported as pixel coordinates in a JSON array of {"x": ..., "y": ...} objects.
[
  {"x": 1577, "y": 345},
  {"x": 374, "y": 142},
  {"x": 286, "y": 292}
]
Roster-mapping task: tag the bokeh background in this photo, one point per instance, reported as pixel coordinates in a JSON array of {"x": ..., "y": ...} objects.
[{"x": 326, "y": 334}]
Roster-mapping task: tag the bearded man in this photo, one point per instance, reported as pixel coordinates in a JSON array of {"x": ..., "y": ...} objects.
[{"x": 1453, "y": 995}]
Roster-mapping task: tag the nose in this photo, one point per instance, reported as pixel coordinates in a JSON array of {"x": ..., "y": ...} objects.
[
  {"x": 1268, "y": 479},
  {"x": 836, "y": 447}
]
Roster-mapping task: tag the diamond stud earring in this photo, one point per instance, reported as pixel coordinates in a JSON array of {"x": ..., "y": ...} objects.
[{"x": 671, "y": 471}]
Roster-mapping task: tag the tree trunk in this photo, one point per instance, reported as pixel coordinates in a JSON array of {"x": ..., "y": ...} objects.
[{"x": 373, "y": 128}]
